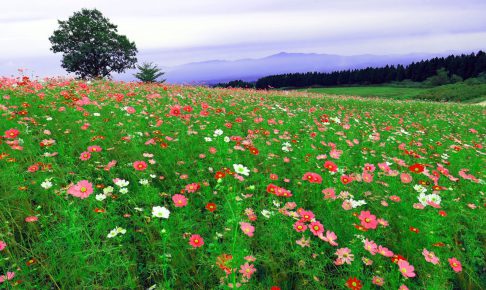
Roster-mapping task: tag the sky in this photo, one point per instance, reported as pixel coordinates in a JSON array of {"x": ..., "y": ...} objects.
[{"x": 183, "y": 31}]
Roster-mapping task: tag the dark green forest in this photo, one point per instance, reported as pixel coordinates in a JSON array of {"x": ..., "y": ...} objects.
[{"x": 458, "y": 67}]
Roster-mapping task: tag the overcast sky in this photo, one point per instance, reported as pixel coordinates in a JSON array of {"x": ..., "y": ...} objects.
[{"x": 182, "y": 31}]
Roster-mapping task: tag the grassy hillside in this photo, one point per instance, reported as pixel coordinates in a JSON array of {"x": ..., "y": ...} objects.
[
  {"x": 130, "y": 186},
  {"x": 388, "y": 92},
  {"x": 458, "y": 92}
]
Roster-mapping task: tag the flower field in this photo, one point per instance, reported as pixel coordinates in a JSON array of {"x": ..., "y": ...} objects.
[{"x": 109, "y": 185}]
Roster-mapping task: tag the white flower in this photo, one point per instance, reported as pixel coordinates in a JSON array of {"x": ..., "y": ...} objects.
[
  {"x": 100, "y": 197},
  {"x": 143, "y": 181},
  {"x": 240, "y": 169},
  {"x": 107, "y": 190},
  {"x": 114, "y": 232},
  {"x": 423, "y": 199},
  {"x": 122, "y": 183},
  {"x": 160, "y": 212},
  {"x": 96, "y": 114},
  {"x": 435, "y": 198},
  {"x": 153, "y": 175},
  {"x": 208, "y": 139},
  {"x": 419, "y": 188},
  {"x": 266, "y": 213},
  {"x": 218, "y": 132},
  {"x": 123, "y": 190},
  {"x": 227, "y": 139},
  {"x": 46, "y": 184},
  {"x": 138, "y": 208}
]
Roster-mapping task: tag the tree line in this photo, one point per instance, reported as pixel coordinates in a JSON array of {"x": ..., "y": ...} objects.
[{"x": 462, "y": 66}]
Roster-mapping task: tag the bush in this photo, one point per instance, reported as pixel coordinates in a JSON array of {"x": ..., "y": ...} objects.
[{"x": 458, "y": 92}]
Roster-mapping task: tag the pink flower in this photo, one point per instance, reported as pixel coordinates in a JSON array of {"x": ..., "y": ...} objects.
[
  {"x": 306, "y": 216},
  {"x": 330, "y": 238},
  {"x": 247, "y": 228},
  {"x": 95, "y": 148},
  {"x": 300, "y": 226},
  {"x": 329, "y": 193},
  {"x": 369, "y": 167},
  {"x": 371, "y": 247},
  {"x": 9, "y": 276},
  {"x": 196, "y": 241},
  {"x": 403, "y": 287},
  {"x": 193, "y": 187},
  {"x": 3, "y": 245},
  {"x": 406, "y": 269},
  {"x": 179, "y": 200},
  {"x": 247, "y": 270},
  {"x": 82, "y": 189},
  {"x": 31, "y": 219},
  {"x": 130, "y": 110},
  {"x": 175, "y": 111},
  {"x": 345, "y": 179},
  {"x": 367, "y": 177},
  {"x": 316, "y": 228},
  {"x": 384, "y": 251},
  {"x": 378, "y": 281},
  {"x": 85, "y": 156},
  {"x": 368, "y": 220},
  {"x": 344, "y": 256},
  {"x": 140, "y": 165},
  {"x": 455, "y": 265},
  {"x": 430, "y": 257},
  {"x": 11, "y": 133},
  {"x": 331, "y": 166},
  {"x": 250, "y": 258},
  {"x": 405, "y": 178},
  {"x": 312, "y": 177}
]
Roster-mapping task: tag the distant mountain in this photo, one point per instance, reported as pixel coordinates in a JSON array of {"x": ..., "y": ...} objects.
[{"x": 215, "y": 71}]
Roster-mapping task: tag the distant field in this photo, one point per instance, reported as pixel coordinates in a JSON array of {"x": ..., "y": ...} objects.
[
  {"x": 368, "y": 91},
  {"x": 458, "y": 92}
]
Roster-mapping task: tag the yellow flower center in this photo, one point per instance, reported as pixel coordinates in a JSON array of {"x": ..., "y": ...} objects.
[{"x": 83, "y": 189}]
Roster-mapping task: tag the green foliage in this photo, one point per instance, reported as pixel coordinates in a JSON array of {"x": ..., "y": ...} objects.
[
  {"x": 389, "y": 92},
  {"x": 91, "y": 46},
  {"x": 473, "y": 91},
  {"x": 149, "y": 73},
  {"x": 441, "y": 78},
  {"x": 236, "y": 84}
]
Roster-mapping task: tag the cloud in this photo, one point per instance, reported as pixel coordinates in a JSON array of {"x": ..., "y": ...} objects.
[{"x": 194, "y": 30}]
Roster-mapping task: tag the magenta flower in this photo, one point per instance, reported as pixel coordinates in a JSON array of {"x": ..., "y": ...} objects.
[
  {"x": 455, "y": 265},
  {"x": 196, "y": 241},
  {"x": 3, "y": 245},
  {"x": 179, "y": 200},
  {"x": 140, "y": 165},
  {"x": 368, "y": 220},
  {"x": 82, "y": 189},
  {"x": 371, "y": 247},
  {"x": 316, "y": 228}
]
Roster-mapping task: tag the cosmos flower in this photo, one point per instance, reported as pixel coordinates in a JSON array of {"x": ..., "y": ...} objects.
[
  {"x": 160, "y": 212},
  {"x": 82, "y": 189}
]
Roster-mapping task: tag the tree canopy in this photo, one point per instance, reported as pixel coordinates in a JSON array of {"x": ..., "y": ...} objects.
[{"x": 91, "y": 45}]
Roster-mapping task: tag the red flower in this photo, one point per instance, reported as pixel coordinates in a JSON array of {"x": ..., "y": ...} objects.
[
  {"x": 442, "y": 213},
  {"x": 211, "y": 206},
  {"x": 139, "y": 165},
  {"x": 219, "y": 175},
  {"x": 417, "y": 168},
  {"x": 354, "y": 284},
  {"x": 254, "y": 151},
  {"x": 415, "y": 230}
]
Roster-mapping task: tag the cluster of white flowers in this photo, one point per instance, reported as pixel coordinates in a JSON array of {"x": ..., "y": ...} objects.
[
  {"x": 143, "y": 181},
  {"x": 217, "y": 132},
  {"x": 424, "y": 199},
  {"x": 122, "y": 183},
  {"x": 240, "y": 169},
  {"x": 356, "y": 203},
  {"x": 160, "y": 212},
  {"x": 116, "y": 231},
  {"x": 286, "y": 147}
]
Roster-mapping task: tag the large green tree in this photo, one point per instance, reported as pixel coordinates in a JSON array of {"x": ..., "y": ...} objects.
[
  {"x": 91, "y": 45},
  {"x": 149, "y": 73}
]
